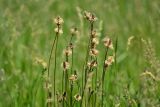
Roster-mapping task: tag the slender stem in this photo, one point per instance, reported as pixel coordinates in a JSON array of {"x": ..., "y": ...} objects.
[
  {"x": 71, "y": 93},
  {"x": 49, "y": 62},
  {"x": 70, "y": 42},
  {"x": 95, "y": 101},
  {"x": 103, "y": 75},
  {"x": 72, "y": 62},
  {"x": 86, "y": 60},
  {"x": 66, "y": 79},
  {"x": 55, "y": 68},
  {"x": 85, "y": 83},
  {"x": 62, "y": 86},
  {"x": 50, "y": 56}
]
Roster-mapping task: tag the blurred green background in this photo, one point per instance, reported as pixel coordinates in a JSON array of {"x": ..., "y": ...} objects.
[{"x": 27, "y": 31}]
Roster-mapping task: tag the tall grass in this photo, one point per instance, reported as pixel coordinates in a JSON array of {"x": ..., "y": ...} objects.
[
  {"x": 87, "y": 91},
  {"x": 26, "y": 37}
]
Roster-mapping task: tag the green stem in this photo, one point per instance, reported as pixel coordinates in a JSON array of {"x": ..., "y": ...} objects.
[
  {"x": 71, "y": 93},
  {"x": 103, "y": 75},
  {"x": 55, "y": 68},
  {"x": 85, "y": 68},
  {"x": 95, "y": 101},
  {"x": 50, "y": 56}
]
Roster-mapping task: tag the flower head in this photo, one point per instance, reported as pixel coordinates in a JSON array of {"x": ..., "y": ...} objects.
[
  {"x": 108, "y": 43},
  {"x": 58, "y": 30},
  {"x": 92, "y": 64},
  {"x": 90, "y": 17},
  {"x": 94, "y": 42},
  {"x": 73, "y": 77},
  {"x": 58, "y": 20},
  {"x": 65, "y": 65},
  {"x": 74, "y": 31},
  {"x": 77, "y": 97},
  {"x": 94, "y": 52},
  {"x": 68, "y": 51},
  {"x": 94, "y": 33},
  {"x": 109, "y": 61}
]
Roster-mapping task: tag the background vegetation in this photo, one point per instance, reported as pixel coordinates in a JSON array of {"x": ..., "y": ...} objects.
[{"x": 27, "y": 31}]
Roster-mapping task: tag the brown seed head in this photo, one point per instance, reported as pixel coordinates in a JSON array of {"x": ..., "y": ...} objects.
[
  {"x": 94, "y": 52},
  {"x": 92, "y": 64},
  {"x": 94, "y": 34},
  {"x": 68, "y": 51},
  {"x": 58, "y": 30},
  {"x": 77, "y": 97},
  {"x": 90, "y": 17},
  {"x": 109, "y": 61},
  {"x": 108, "y": 43},
  {"x": 94, "y": 43},
  {"x": 74, "y": 31},
  {"x": 65, "y": 65},
  {"x": 58, "y": 20},
  {"x": 73, "y": 77}
]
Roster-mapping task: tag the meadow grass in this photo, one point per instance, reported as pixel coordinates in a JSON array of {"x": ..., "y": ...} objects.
[{"x": 26, "y": 37}]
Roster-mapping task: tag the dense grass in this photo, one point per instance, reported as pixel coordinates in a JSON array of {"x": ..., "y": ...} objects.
[{"x": 27, "y": 32}]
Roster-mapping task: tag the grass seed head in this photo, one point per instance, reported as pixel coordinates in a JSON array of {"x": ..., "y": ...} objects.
[
  {"x": 108, "y": 42},
  {"x": 58, "y": 20},
  {"x": 77, "y": 97},
  {"x": 92, "y": 64},
  {"x": 65, "y": 65},
  {"x": 58, "y": 30},
  {"x": 109, "y": 61},
  {"x": 94, "y": 33},
  {"x": 73, "y": 77},
  {"x": 74, "y": 31},
  {"x": 68, "y": 50},
  {"x": 90, "y": 17},
  {"x": 94, "y": 52},
  {"x": 95, "y": 41}
]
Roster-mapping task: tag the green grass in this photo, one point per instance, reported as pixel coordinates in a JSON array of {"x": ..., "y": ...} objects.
[{"x": 27, "y": 32}]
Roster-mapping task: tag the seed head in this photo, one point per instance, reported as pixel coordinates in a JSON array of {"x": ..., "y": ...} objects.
[
  {"x": 90, "y": 17},
  {"x": 58, "y": 30},
  {"x": 94, "y": 34},
  {"x": 108, "y": 43},
  {"x": 92, "y": 64},
  {"x": 94, "y": 52},
  {"x": 68, "y": 51},
  {"x": 77, "y": 97},
  {"x": 65, "y": 65},
  {"x": 109, "y": 61},
  {"x": 95, "y": 41},
  {"x": 73, "y": 77},
  {"x": 58, "y": 20},
  {"x": 74, "y": 31}
]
